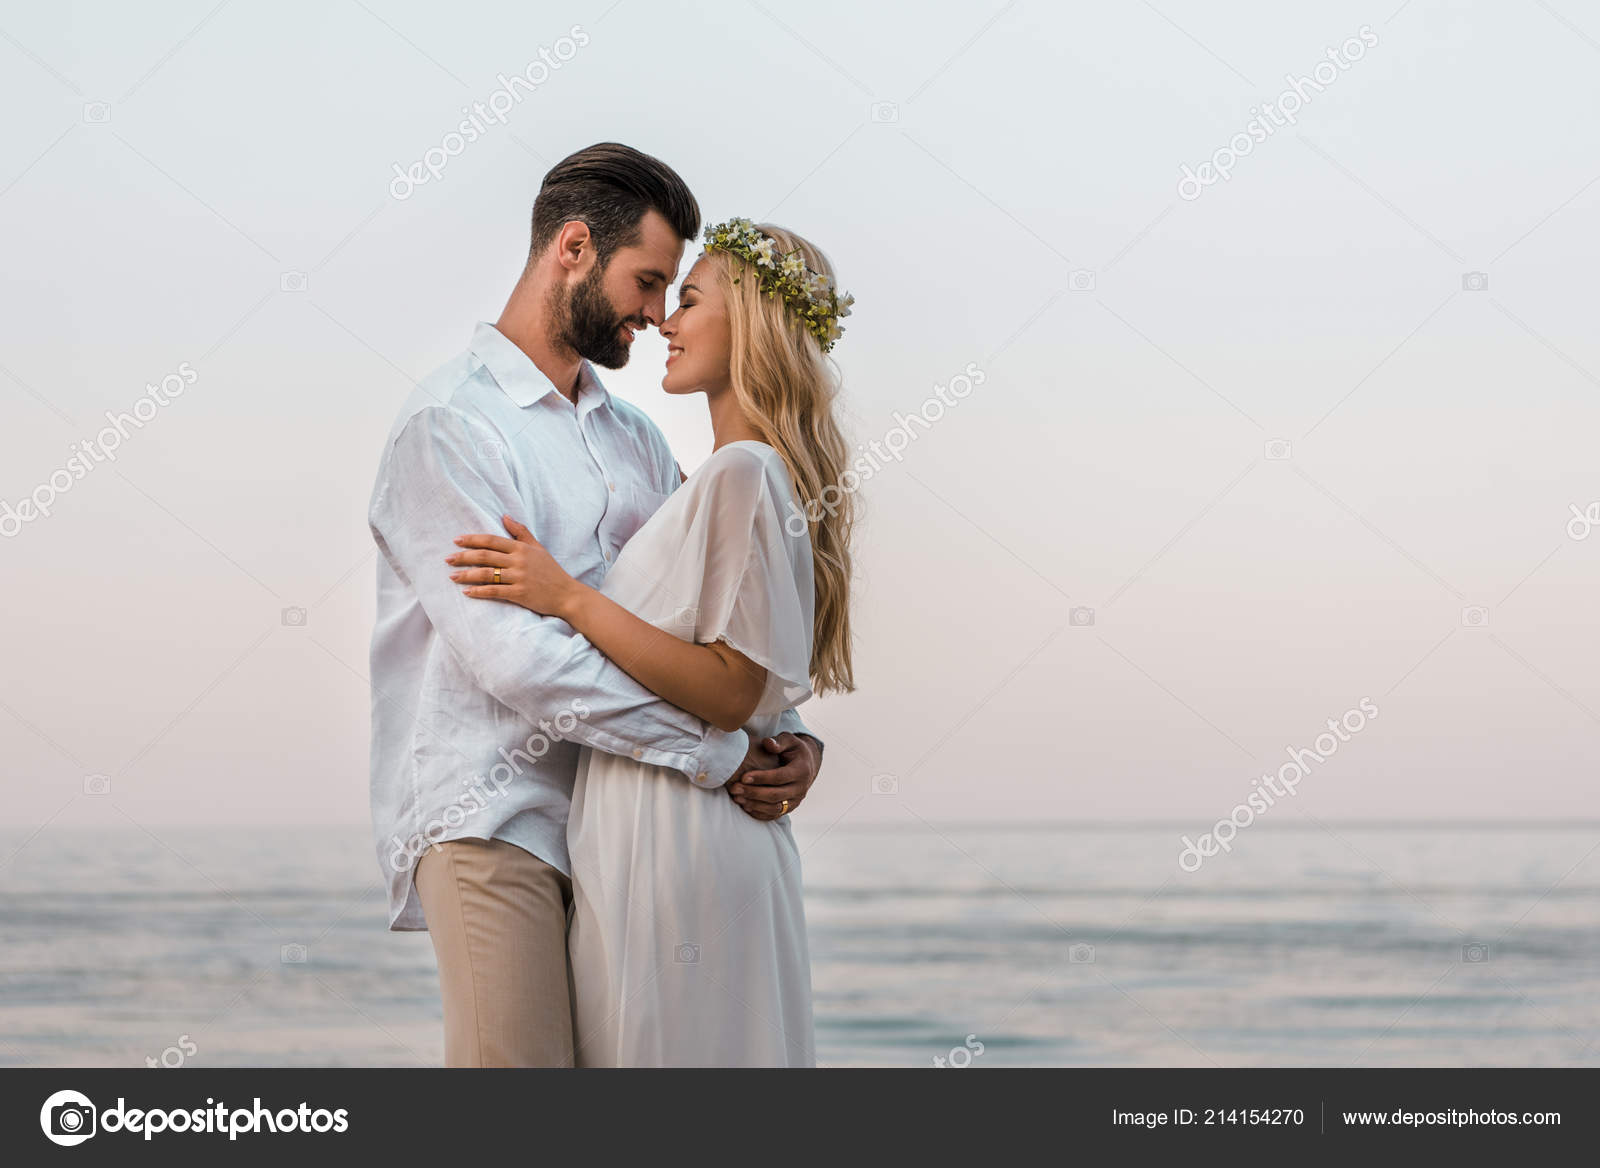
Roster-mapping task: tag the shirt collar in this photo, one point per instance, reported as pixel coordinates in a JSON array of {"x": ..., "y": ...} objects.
[
  {"x": 591, "y": 393},
  {"x": 520, "y": 379}
]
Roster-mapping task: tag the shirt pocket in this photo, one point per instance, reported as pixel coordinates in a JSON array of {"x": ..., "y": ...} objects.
[{"x": 634, "y": 506}]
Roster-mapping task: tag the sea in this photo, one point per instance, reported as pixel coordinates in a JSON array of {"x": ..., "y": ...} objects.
[{"x": 932, "y": 945}]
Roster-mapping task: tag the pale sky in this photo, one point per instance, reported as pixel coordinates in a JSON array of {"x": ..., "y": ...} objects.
[{"x": 209, "y": 186}]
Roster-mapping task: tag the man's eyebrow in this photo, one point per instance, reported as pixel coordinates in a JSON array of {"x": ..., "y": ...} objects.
[{"x": 655, "y": 275}]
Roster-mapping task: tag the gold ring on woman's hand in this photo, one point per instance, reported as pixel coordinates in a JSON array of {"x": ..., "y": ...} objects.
[
  {"x": 785, "y": 810},
  {"x": 497, "y": 575}
]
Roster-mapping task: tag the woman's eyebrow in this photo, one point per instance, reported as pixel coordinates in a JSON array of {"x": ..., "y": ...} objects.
[{"x": 687, "y": 288}]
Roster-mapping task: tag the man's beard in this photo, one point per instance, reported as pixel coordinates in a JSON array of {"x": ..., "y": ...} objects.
[{"x": 588, "y": 324}]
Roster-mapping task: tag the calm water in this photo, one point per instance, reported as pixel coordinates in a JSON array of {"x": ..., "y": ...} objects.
[{"x": 1299, "y": 948}]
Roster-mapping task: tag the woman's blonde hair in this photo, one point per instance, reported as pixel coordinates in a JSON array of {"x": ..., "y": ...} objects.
[{"x": 787, "y": 388}]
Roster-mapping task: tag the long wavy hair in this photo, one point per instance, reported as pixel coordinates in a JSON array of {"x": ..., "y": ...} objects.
[{"x": 788, "y": 388}]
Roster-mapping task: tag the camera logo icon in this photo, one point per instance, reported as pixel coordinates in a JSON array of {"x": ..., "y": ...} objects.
[
  {"x": 1277, "y": 449},
  {"x": 685, "y": 953},
  {"x": 1081, "y": 616},
  {"x": 884, "y": 112},
  {"x": 68, "y": 1118},
  {"x": 292, "y": 954},
  {"x": 97, "y": 784},
  {"x": 1475, "y": 953},
  {"x": 1081, "y": 280},
  {"x": 885, "y": 785},
  {"x": 491, "y": 449},
  {"x": 96, "y": 112},
  {"x": 1474, "y": 281},
  {"x": 293, "y": 282},
  {"x": 294, "y": 617},
  {"x": 1475, "y": 616},
  {"x": 1081, "y": 954}
]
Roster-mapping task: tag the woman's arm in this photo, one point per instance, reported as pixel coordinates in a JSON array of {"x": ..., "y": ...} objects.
[{"x": 713, "y": 682}]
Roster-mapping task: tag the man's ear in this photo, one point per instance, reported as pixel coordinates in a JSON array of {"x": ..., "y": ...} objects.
[{"x": 573, "y": 244}]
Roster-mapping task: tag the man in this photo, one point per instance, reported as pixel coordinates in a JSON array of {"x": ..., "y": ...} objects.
[{"x": 479, "y": 709}]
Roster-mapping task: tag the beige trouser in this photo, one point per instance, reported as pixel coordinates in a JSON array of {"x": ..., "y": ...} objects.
[{"x": 498, "y": 919}]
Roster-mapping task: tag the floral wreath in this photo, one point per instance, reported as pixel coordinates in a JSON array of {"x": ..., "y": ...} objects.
[{"x": 811, "y": 294}]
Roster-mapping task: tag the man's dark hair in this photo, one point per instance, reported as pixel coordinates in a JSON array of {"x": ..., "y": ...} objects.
[{"x": 610, "y": 186}]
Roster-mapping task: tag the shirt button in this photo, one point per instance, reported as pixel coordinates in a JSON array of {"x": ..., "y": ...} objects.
[
  {"x": 611, "y": 486},
  {"x": 637, "y": 753},
  {"x": 701, "y": 777}
]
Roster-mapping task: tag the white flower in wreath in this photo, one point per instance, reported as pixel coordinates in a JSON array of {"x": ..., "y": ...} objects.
[
  {"x": 762, "y": 251},
  {"x": 793, "y": 265}
]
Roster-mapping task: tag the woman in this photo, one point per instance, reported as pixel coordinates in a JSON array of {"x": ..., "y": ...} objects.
[{"x": 688, "y": 942}]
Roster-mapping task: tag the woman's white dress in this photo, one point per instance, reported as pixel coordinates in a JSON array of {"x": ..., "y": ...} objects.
[{"x": 688, "y": 936}]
